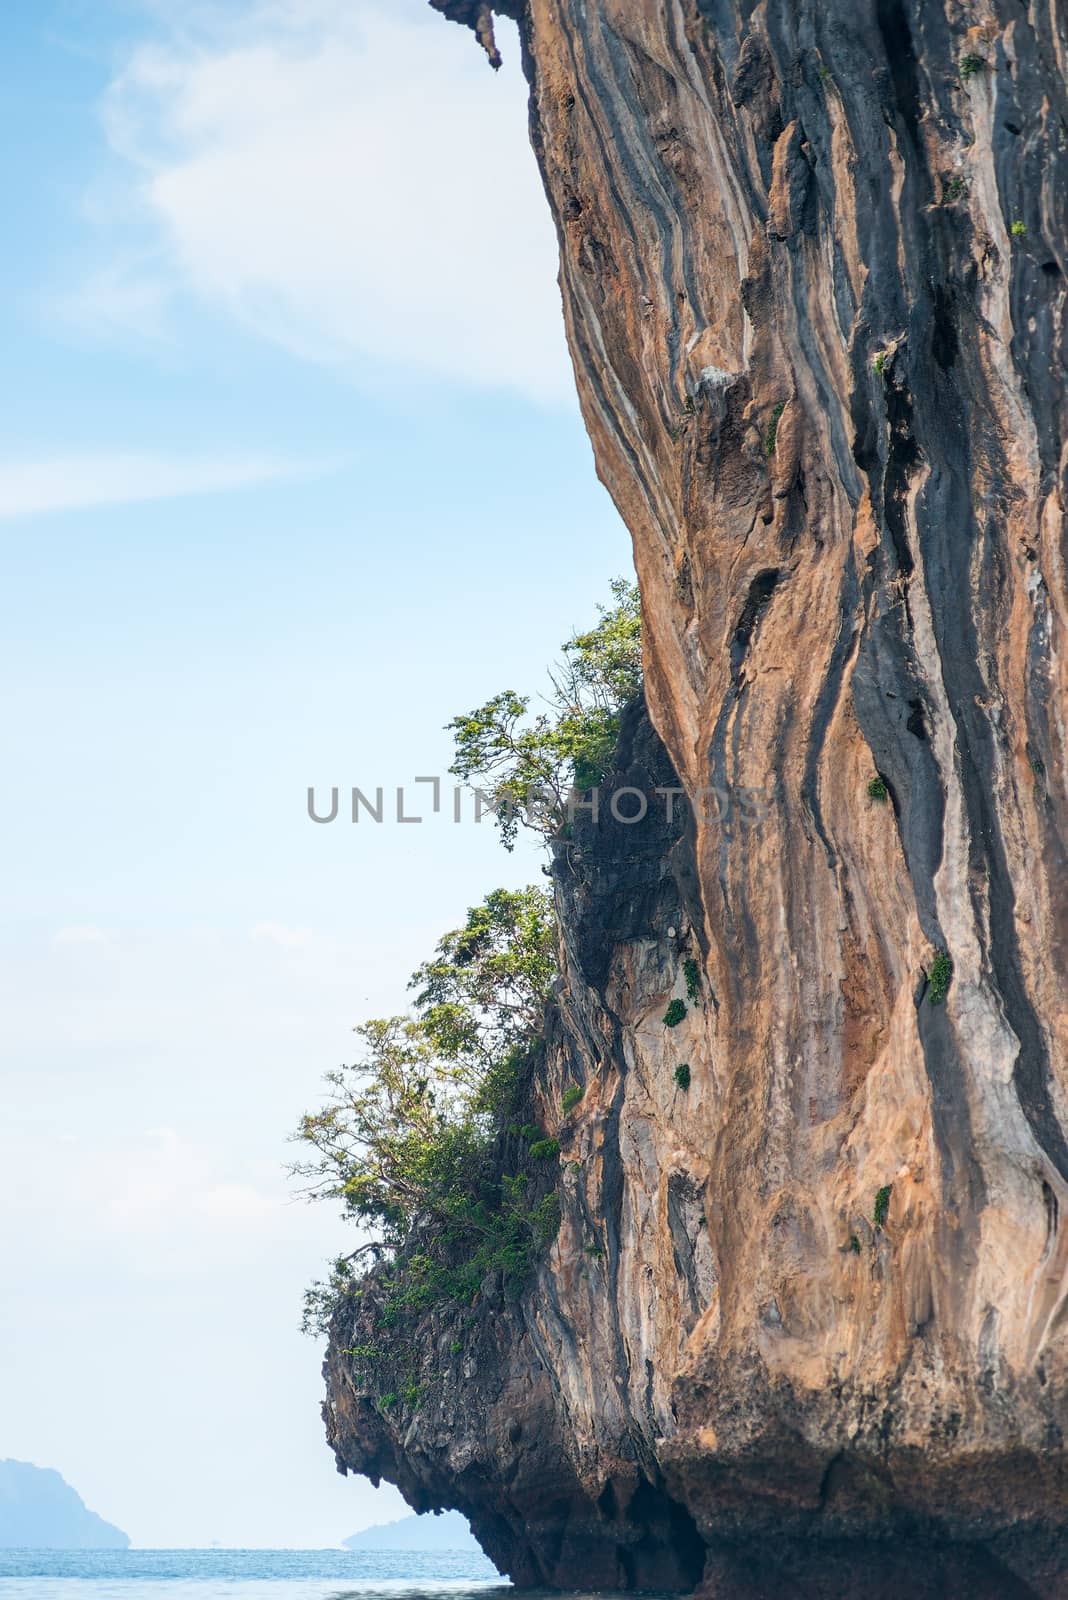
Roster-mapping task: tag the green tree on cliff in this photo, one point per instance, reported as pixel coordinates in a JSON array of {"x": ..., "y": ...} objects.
[
  {"x": 481, "y": 997},
  {"x": 527, "y": 766},
  {"x": 403, "y": 1138}
]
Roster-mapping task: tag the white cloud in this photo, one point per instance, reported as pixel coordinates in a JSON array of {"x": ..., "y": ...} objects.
[
  {"x": 356, "y": 188},
  {"x": 80, "y": 482}
]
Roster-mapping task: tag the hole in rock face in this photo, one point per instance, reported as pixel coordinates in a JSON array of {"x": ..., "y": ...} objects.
[
  {"x": 902, "y": 458},
  {"x": 916, "y": 723},
  {"x": 760, "y": 592},
  {"x": 944, "y": 337},
  {"x": 893, "y": 24},
  {"x": 670, "y": 1554},
  {"x": 1051, "y": 1212},
  {"x": 1051, "y": 269}
]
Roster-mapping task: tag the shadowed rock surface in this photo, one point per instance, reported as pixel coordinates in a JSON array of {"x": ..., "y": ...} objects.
[{"x": 803, "y": 1329}]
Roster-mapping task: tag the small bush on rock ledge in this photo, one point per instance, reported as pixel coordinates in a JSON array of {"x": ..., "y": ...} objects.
[
  {"x": 938, "y": 977},
  {"x": 682, "y": 1075},
  {"x": 772, "y": 435},
  {"x": 674, "y": 1013}
]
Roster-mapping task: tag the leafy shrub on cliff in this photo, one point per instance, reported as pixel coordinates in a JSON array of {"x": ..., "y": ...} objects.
[
  {"x": 570, "y": 1097},
  {"x": 527, "y": 767},
  {"x": 674, "y": 1014},
  {"x": 771, "y": 436},
  {"x": 496, "y": 1234},
  {"x": 405, "y": 1137},
  {"x": 882, "y": 1205},
  {"x": 938, "y": 977},
  {"x": 682, "y": 1075},
  {"x": 481, "y": 997},
  {"x": 692, "y": 973}
]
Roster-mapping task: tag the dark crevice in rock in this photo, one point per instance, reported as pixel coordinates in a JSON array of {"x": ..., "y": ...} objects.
[{"x": 760, "y": 592}]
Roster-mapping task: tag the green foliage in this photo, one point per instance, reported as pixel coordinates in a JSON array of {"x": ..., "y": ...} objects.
[
  {"x": 854, "y": 1242},
  {"x": 481, "y": 998},
  {"x": 496, "y": 1234},
  {"x": 692, "y": 973},
  {"x": 954, "y": 187},
  {"x": 323, "y": 1297},
  {"x": 970, "y": 65},
  {"x": 363, "y": 1356},
  {"x": 545, "y": 1149},
  {"x": 528, "y": 768},
  {"x": 456, "y": 1348},
  {"x": 877, "y": 789},
  {"x": 674, "y": 1014},
  {"x": 939, "y": 976},
  {"x": 682, "y": 1075},
  {"x": 405, "y": 1139},
  {"x": 882, "y": 1205},
  {"x": 880, "y": 361},
  {"x": 1019, "y": 230},
  {"x": 571, "y": 1097},
  {"x": 772, "y": 433}
]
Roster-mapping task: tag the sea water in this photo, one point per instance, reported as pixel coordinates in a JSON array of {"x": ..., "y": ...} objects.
[{"x": 247, "y": 1575}]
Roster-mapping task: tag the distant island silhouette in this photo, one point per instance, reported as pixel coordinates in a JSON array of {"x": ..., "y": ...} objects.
[
  {"x": 40, "y": 1511},
  {"x": 446, "y": 1531}
]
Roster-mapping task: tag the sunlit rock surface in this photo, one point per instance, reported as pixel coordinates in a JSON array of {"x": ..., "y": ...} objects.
[{"x": 802, "y": 1332}]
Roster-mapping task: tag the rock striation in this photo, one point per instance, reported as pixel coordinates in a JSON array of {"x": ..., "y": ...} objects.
[{"x": 803, "y": 1330}]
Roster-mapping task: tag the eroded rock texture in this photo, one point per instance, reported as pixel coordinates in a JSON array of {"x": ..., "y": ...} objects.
[{"x": 813, "y": 258}]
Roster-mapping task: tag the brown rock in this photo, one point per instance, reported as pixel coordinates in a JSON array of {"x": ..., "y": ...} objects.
[{"x": 757, "y": 1374}]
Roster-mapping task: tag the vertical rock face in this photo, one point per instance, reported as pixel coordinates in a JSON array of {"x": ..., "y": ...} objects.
[{"x": 813, "y": 268}]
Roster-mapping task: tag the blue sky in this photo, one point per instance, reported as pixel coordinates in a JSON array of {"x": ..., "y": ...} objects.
[{"x": 291, "y": 474}]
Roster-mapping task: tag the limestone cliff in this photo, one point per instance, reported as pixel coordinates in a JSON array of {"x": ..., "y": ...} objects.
[{"x": 803, "y": 1330}]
